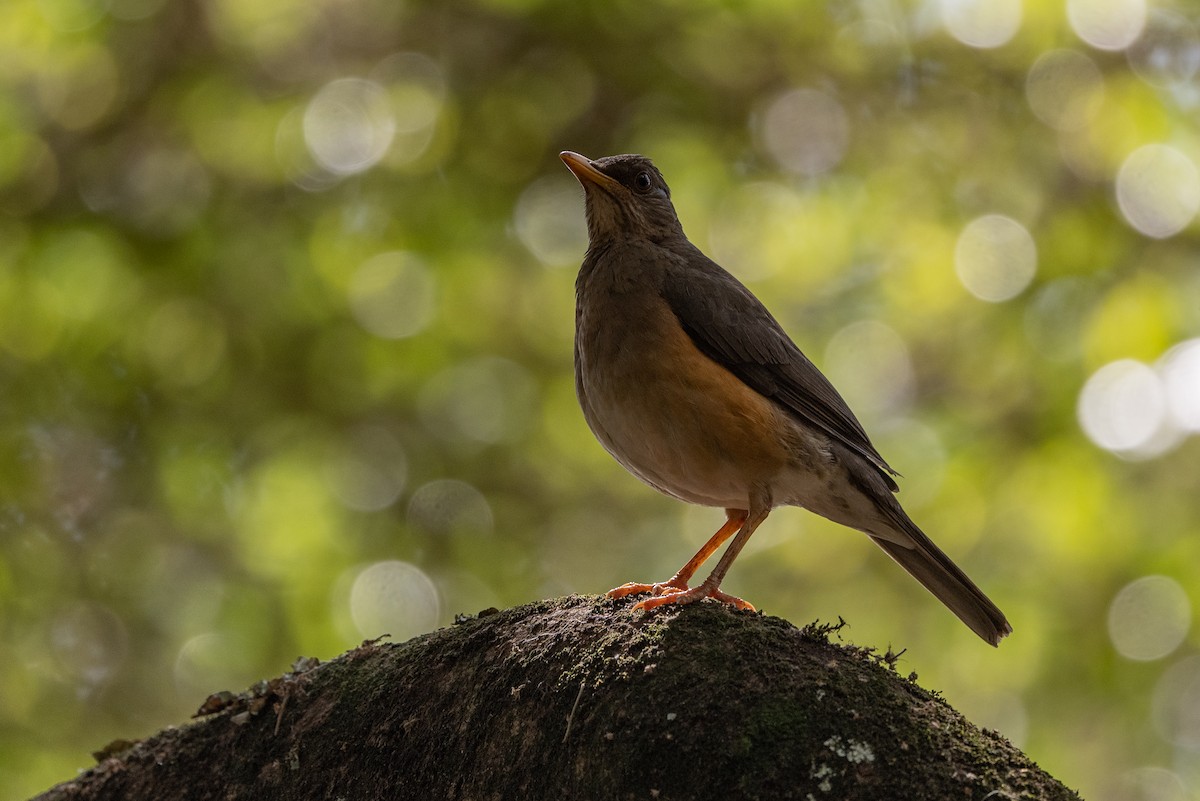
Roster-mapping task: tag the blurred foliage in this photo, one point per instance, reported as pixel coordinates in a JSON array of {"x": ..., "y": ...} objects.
[{"x": 286, "y": 307}]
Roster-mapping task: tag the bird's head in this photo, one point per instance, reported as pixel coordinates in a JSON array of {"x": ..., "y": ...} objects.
[{"x": 626, "y": 197}]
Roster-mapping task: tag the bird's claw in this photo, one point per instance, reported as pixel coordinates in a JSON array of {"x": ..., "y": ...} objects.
[
  {"x": 691, "y": 596},
  {"x": 667, "y": 593},
  {"x": 657, "y": 588}
]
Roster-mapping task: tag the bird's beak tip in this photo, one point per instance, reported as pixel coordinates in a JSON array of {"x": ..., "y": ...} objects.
[
  {"x": 583, "y": 169},
  {"x": 570, "y": 157}
]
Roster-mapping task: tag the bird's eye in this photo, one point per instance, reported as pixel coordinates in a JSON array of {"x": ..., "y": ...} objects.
[{"x": 642, "y": 182}]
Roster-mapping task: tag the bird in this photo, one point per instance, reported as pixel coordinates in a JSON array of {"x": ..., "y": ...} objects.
[{"x": 691, "y": 384}]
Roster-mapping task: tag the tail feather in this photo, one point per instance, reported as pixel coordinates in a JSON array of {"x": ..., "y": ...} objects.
[
  {"x": 949, "y": 584},
  {"x": 901, "y": 538}
]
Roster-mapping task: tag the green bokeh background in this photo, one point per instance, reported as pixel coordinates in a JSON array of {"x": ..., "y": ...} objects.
[{"x": 286, "y": 307}]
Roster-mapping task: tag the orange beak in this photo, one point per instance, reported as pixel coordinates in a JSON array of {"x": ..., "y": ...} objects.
[{"x": 586, "y": 172}]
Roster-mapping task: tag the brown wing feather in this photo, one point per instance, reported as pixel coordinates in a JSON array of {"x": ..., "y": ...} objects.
[{"x": 733, "y": 328}]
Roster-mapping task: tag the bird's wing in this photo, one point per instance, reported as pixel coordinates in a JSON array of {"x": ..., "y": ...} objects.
[{"x": 733, "y": 328}]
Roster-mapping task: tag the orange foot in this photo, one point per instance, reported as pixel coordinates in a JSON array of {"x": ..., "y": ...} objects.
[
  {"x": 658, "y": 588},
  {"x": 676, "y": 593},
  {"x": 686, "y": 596}
]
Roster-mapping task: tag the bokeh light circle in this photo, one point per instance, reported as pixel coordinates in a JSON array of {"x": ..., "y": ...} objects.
[
  {"x": 480, "y": 400},
  {"x": 1180, "y": 370},
  {"x": 981, "y": 23},
  {"x": 1176, "y": 704},
  {"x": 550, "y": 221},
  {"x": 995, "y": 257},
  {"x": 392, "y": 294},
  {"x": 369, "y": 472},
  {"x": 1123, "y": 409},
  {"x": 448, "y": 506},
  {"x": 805, "y": 131},
  {"x": 349, "y": 125},
  {"x": 213, "y": 659},
  {"x": 416, "y": 90},
  {"x": 395, "y": 598},
  {"x": 1149, "y": 618},
  {"x": 1064, "y": 89},
  {"x": 1158, "y": 190},
  {"x": 755, "y": 231},
  {"x": 417, "y": 87},
  {"x": 1107, "y": 24},
  {"x": 870, "y": 364}
]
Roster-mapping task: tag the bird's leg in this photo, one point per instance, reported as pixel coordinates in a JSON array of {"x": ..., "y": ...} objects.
[
  {"x": 734, "y": 521},
  {"x": 710, "y": 587}
]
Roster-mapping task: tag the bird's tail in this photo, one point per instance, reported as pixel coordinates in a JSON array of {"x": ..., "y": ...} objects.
[{"x": 946, "y": 580}]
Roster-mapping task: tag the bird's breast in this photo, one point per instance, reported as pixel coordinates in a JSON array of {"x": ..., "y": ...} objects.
[{"x": 669, "y": 414}]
